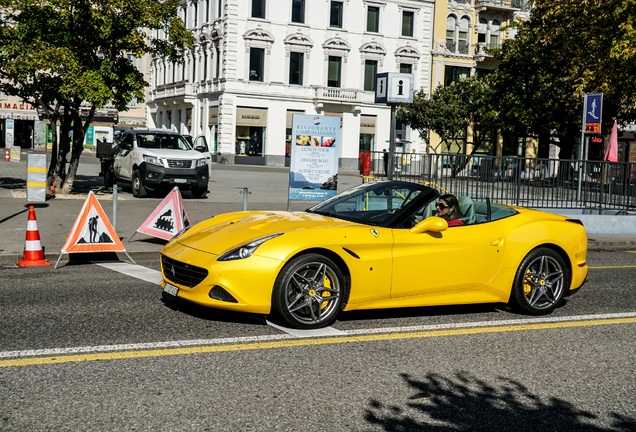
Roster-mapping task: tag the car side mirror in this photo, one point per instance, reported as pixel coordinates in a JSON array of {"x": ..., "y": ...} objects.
[
  {"x": 201, "y": 149},
  {"x": 125, "y": 146},
  {"x": 430, "y": 224}
]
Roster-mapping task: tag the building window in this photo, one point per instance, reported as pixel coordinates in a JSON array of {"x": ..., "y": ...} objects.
[
  {"x": 408, "y": 21},
  {"x": 462, "y": 36},
  {"x": 298, "y": 11},
  {"x": 257, "y": 64},
  {"x": 450, "y": 33},
  {"x": 258, "y": 8},
  {"x": 334, "y": 71},
  {"x": 495, "y": 41},
  {"x": 336, "y": 13},
  {"x": 406, "y": 68},
  {"x": 296, "y": 65},
  {"x": 482, "y": 30},
  {"x": 455, "y": 73},
  {"x": 370, "y": 71},
  {"x": 457, "y": 34},
  {"x": 373, "y": 19}
]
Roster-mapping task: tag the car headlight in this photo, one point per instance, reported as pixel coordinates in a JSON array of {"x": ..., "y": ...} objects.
[
  {"x": 246, "y": 250},
  {"x": 153, "y": 160},
  {"x": 201, "y": 162}
]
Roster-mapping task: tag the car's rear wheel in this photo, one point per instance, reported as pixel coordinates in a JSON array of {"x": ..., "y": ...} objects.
[
  {"x": 540, "y": 282},
  {"x": 308, "y": 292},
  {"x": 138, "y": 189}
]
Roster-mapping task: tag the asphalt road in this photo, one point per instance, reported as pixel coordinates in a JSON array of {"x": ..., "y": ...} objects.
[{"x": 87, "y": 347}]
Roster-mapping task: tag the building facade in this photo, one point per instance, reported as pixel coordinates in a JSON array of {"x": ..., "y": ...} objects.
[
  {"x": 258, "y": 62},
  {"x": 464, "y": 31}
]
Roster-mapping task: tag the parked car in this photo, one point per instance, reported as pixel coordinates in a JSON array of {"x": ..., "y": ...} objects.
[{"x": 155, "y": 159}]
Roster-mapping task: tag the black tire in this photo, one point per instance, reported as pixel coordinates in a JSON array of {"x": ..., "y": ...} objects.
[
  {"x": 199, "y": 192},
  {"x": 541, "y": 282},
  {"x": 138, "y": 189},
  {"x": 308, "y": 292}
]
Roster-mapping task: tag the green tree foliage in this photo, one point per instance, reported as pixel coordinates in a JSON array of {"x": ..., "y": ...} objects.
[
  {"x": 451, "y": 110},
  {"x": 568, "y": 48},
  {"x": 65, "y": 55}
]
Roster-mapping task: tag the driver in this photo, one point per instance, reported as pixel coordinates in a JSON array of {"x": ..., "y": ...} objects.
[{"x": 448, "y": 208}]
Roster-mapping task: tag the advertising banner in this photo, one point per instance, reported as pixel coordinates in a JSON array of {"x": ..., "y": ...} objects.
[{"x": 313, "y": 173}]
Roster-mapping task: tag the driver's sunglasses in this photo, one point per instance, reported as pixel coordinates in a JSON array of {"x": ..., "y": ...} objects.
[{"x": 441, "y": 206}]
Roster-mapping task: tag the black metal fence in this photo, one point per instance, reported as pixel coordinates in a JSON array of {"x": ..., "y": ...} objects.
[{"x": 529, "y": 182}]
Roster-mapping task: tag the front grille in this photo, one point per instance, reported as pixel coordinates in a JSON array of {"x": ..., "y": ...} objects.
[
  {"x": 179, "y": 163},
  {"x": 181, "y": 273}
]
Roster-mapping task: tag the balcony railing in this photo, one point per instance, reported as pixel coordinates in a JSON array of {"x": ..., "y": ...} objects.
[
  {"x": 178, "y": 89},
  {"x": 539, "y": 183},
  {"x": 337, "y": 94},
  {"x": 499, "y": 4},
  {"x": 481, "y": 49}
]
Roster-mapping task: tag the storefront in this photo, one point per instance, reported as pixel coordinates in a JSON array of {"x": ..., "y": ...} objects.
[
  {"x": 251, "y": 134},
  {"x": 17, "y": 123},
  {"x": 213, "y": 127},
  {"x": 288, "y": 133},
  {"x": 367, "y": 133}
]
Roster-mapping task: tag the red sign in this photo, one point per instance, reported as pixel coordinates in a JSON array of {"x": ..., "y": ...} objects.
[{"x": 592, "y": 128}]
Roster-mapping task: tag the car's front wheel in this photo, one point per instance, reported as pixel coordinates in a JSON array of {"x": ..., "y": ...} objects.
[
  {"x": 308, "y": 292},
  {"x": 540, "y": 282},
  {"x": 138, "y": 189}
]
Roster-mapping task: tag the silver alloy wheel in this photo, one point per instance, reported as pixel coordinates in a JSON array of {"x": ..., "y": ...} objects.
[
  {"x": 543, "y": 283},
  {"x": 312, "y": 293}
]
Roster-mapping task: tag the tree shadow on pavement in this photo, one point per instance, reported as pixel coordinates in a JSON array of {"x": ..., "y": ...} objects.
[{"x": 467, "y": 403}]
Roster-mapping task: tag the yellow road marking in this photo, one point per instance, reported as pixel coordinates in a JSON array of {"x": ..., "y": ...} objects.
[
  {"x": 613, "y": 267},
  {"x": 305, "y": 342}
]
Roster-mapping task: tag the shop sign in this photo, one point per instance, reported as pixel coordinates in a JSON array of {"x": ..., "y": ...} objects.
[{"x": 251, "y": 117}]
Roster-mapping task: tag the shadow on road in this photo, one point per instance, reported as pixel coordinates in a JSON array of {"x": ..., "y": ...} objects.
[{"x": 466, "y": 403}]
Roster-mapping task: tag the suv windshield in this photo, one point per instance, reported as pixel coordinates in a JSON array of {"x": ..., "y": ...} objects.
[{"x": 162, "y": 141}]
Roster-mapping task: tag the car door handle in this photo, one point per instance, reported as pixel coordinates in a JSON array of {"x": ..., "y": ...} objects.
[{"x": 497, "y": 242}]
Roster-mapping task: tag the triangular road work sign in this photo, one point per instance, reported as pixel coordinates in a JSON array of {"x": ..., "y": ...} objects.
[
  {"x": 170, "y": 217},
  {"x": 92, "y": 231}
]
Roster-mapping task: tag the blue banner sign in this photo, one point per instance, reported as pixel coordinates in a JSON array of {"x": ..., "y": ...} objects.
[{"x": 313, "y": 171}]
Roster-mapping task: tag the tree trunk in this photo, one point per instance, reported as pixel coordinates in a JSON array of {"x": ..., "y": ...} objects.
[{"x": 76, "y": 152}]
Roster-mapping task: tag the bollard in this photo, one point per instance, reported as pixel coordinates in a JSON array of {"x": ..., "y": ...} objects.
[
  {"x": 115, "y": 206},
  {"x": 245, "y": 193}
]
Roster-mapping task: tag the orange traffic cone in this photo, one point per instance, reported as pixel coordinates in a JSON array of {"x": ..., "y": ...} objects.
[
  {"x": 7, "y": 155},
  {"x": 33, "y": 253}
]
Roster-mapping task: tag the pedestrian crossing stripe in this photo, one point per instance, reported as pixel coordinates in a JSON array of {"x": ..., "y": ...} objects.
[
  {"x": 92, "y": 231},
  {"x": 170, "y": 217}
]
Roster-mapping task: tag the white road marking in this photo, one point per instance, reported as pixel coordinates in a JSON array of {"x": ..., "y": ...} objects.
[
  {"x": 325, "y": 331},
  {"x": 134, "y": 270},
  {"x": 301, "y": 335}
]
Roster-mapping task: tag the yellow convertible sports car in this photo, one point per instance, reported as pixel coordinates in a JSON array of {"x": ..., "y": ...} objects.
[{"x": 377, "y": 245}]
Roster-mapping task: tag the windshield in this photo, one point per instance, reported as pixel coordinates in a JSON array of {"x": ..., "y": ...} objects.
[
  {"x": 384, "y": 203},
  {"x": 162, "y": 141}
]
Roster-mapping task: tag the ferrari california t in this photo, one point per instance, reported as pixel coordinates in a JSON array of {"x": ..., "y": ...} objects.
[{"x": 377, "y": 245}]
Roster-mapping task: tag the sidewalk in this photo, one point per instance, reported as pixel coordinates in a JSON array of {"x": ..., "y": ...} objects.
[{"x": 266, "y": 189}]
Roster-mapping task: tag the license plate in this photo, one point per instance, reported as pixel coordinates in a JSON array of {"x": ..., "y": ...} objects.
[
  {"x": 170, "y": 289},
  {"x": 180, "y": 180}
]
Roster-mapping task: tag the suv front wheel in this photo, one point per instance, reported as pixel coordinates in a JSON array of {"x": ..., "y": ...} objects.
[{"x": 138, "y": 189}]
